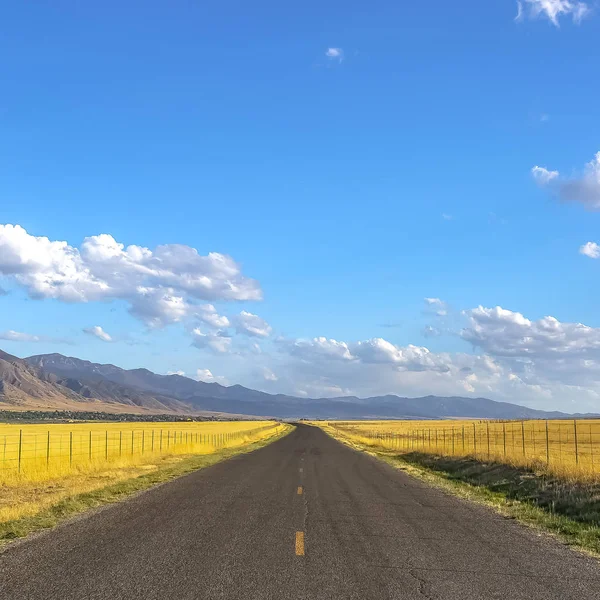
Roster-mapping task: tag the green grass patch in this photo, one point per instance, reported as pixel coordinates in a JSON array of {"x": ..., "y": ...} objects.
[{"x": 77, "y": 504}]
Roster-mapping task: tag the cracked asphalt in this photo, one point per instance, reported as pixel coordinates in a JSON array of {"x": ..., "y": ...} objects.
[{"x": 230, "y": 531}]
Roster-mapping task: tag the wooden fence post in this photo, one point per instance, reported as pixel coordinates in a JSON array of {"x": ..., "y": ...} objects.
[
  {"x": 20, "y": 448},
  {"x": 576, "y": 442},
  {"x": 547, "y": 445}
]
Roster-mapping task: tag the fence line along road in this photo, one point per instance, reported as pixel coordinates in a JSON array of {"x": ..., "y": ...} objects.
[
  {"x": 27, "y": 451},
  {"x": 562, "y": 446}
]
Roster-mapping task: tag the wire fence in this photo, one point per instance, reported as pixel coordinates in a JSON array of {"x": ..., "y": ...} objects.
[
  {"x": 33, "y": 450},
  {"x": 563, "y": 446}
]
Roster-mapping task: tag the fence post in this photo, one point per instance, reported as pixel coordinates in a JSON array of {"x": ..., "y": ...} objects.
[
  {"x": 463, "y": 438},
  {"x": 453, "y": 441},
  {"x": 474, "y": 440},
  {"x": 547, "y": 445},
  {"x": 90, "y": 448},
  {"x": 504, "y": 437},
  {"x": 48, "y": 450},
  {"x": 132, "y": 435},
  {"x": 487, "y": 427},
  {"x": 20, "y": 448},
  {"x": 576, "y": 442},
  {"x": 106, "y": 447},
  {"x": 523, "y": 435},
  {"x": 153, "y": 440},
  {"x": 160, "y": 447},
  {"x": 71, "y": 448},
  {"x": 143, "y": 440}
]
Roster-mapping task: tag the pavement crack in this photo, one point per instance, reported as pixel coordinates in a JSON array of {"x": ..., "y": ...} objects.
[{"x": 422, "y": 584}]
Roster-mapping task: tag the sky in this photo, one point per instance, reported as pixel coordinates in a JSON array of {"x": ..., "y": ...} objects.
[{"x": 313, "y": 199}]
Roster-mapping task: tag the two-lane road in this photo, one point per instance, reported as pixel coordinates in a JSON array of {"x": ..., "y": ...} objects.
[{"x": 302, "y": 518}]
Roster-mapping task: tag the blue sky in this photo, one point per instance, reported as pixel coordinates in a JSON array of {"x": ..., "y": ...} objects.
[{"x": 352, "y": 159}]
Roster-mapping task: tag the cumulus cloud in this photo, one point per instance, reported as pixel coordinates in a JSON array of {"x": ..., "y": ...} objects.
[
  {"x": 218, "y": 342},
  {"x": 505, "y": 333},
  {"x": 206, "y": 376},
  {"x": 544, "y": 363},
  {"x": 208, "y": 314},
  {"x": 98, "y": 332},
  {"x": 317, "y": 348},
  {"x": 247, "y": 323},
  {"x": 180, "y": 373},
  {"x": 584, "y": 188},
  {"x": 590, "y": 249},
  {"x": 552, "y": 10},
  {"x": 335, "y": 54},
  {"x": 160, "y": 285}
]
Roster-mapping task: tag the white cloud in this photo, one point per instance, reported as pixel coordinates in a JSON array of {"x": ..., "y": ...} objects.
[
  {"x": 208, "y": 314},
  {"x": 447, "y": 217},
  {"x": 590, "y": 249},
  {"x": 98, "y": 332},
  {"x": 160, "y": 285},
  {"x": 543, "y": 363},
  {"x": 249, "y": 324},
  {"x": 18, "y": 336},
  {"x": 181, "y": 373},
  {"x": 269, "y": 375},
  {"x": 335, "y": 54},
  {"x": 436, "y": 306},
  {"x": 217, "y": 342},
  {"x": 552, "y": 10},
  {"x": 542, "y": 175},
  {"x": 317, "y": 348},
  {"x": 584, "y": 189},
  {"x": 206, "y": 376},
  {"x": 504, "y": 333},
  {"x": 158, "y": 307}
]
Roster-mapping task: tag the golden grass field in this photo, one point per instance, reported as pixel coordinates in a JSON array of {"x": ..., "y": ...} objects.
[
  {"x": 41, "y": 464},
  {"x": 565, "y": 448}
]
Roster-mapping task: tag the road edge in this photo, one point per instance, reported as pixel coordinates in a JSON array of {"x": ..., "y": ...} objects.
[
  {"x": 89, "y": 503},
  {"x": 561, "y": 528}
]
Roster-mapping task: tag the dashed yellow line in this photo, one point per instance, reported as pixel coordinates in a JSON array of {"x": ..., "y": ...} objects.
[
  {"x": 299, "y": 490},
  {"x": 299, "y": 543}
]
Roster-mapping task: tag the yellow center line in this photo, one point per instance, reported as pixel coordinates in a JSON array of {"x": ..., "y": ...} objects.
[
  {"x": 299, "y": 490},
  {"x": 299, "y": 543}
]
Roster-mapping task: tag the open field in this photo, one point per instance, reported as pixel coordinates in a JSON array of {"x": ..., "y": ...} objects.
[
  {"x": 41, "y": 465},
  {"x": 564, "y": 448}
]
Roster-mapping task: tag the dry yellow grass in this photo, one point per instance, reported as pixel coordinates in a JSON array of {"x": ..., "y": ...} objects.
[
  {"x": 566, "y": 448},
  {"x": 60, "y": 461},
  {"x": 41, "y": 452}
]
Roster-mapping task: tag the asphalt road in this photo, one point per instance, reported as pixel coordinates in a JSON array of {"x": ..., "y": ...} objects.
[{"x": 234, "y": 530}]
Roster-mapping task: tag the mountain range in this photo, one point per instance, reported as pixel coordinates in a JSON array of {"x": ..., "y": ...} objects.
[{"x": 55, "y": 381}]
